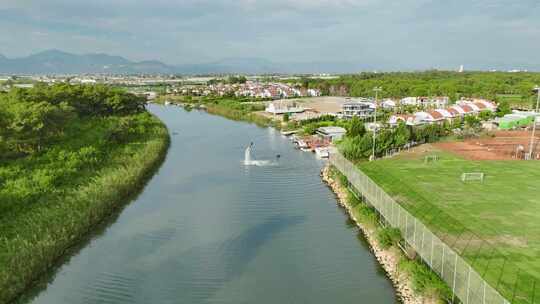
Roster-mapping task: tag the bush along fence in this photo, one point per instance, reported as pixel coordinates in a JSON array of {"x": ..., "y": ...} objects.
[{"x": 466, "y": 283}]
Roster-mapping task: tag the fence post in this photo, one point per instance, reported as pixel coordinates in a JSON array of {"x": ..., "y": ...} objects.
[
  {"x": 423, "y": 235},
  {"x": 393, "y": 217},
  {"x": 399, "y": 217},
  {"x": 431, "y": 255},
  {"x": 406, "y": 226},
  {"x": 468, "y": 284},
  {"x": 442, "y": 266},
  {"x": 484, "y": 296},
  {"x": 455, "y": 272},
  {"x": 414, "y": 233}
]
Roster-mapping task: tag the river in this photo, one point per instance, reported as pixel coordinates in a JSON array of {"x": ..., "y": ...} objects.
[{"x": 207, "y": 229}]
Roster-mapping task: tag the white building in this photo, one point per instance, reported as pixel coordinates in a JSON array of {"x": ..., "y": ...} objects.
[
  {"x": 313, "y": 93},
  {"x": 88, "y": 81},
  {"x": 360, "y": 109},
  {"x": 425, "y": 102},
  {"x": 388, "y": 104},
  {"x": 331, "y": 133},
  {"x": 282, "y": 107}
]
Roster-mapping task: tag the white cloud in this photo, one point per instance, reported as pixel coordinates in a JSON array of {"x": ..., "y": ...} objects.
[{"x": 412, "y": 32}]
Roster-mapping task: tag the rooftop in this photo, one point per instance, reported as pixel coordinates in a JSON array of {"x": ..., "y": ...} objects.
[{"x": 330, "y": 130}]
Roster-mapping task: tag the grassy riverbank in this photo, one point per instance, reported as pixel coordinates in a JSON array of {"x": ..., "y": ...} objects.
[
  {"x": 54, "y": 192},
  {"x": 56, "y": 198}
]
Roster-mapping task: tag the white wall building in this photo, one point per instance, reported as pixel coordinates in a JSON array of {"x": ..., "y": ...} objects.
[
  {"x": 357, "y": 108},
  {"x": 332, "y": 133},
  {"x": 282, "y": 107}
]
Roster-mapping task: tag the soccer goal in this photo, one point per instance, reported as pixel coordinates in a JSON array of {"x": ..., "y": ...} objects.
[
  {"x": 472, "y": 176},
  {"x": 431, "y": 158}
]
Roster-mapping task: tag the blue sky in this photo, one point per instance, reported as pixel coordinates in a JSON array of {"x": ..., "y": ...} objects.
[{"x": 386, "y": 34}]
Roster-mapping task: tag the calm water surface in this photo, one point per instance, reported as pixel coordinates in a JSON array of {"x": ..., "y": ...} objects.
[{"x": 207, "y": 229}]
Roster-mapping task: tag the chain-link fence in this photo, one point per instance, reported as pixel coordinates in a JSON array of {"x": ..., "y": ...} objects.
[{"x": 465, "y": 282}]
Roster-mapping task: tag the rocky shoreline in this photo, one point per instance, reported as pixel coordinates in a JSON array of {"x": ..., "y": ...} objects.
[{"x": 388, "y": 258}]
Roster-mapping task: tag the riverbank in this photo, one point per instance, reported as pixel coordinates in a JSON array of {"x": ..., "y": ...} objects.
[
  {"x": 52, "y": 200},
  {"x": 389, "y": 258},
  {"x": 242, "y": 115},
  {"x": 234, "y": 108}
]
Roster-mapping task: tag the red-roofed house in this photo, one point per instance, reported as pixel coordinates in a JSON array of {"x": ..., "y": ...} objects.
[
  {"x": 428, "y": 117},
  {"x": 455, "y": 113},
  {"x": 481, "y": 104},
  {"x": 437, "y": 116},
  {"x": 467, "y": 109},
  {"x": 445, "y": 113}
]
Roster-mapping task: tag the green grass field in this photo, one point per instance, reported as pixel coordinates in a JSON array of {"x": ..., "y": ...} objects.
[
  {"x": 516, "y": 100},
  {"x": 495, "y": 225}
]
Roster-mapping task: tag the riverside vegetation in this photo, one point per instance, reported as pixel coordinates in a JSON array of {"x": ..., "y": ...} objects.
[{"x": 69, "y": 157}]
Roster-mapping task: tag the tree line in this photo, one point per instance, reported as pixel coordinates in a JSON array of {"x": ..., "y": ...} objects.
[
  {"x": 358, "y": 143},
  {"x": 455, "y": 85},
  {"x": 31, "y": 119}
]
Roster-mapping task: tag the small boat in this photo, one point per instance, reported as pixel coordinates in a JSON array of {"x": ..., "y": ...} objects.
[
  {"x": 322, "y": 152},
  {"x": 167, "y": 103},
  {"x": 289, "y": 133},
  {"x": 302, "y": 144}
]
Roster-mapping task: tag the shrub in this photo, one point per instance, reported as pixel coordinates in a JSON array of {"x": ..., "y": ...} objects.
[
  {"x": 388, "y": 237},
  {"x": 424, "y": 280},
  {"x": 286, "y": 117},
  {"x": 352, "y": 200}
]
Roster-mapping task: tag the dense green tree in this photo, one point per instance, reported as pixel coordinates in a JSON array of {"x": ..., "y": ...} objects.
[
  {"x": 32, "y": 118},
  {"x": 402, "y": 135},
  {"x": 503, "y": 109},
  {"x": 485, "y": 115},
  {"x": 237, "y": 79},
  {"x": 430, "y": 83},
  {"x": 472, "y": 121},
  {"x": 356, "y": 128}
]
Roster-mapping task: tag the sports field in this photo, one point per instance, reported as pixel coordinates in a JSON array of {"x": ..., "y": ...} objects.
[{"x": 494, "y": 224}]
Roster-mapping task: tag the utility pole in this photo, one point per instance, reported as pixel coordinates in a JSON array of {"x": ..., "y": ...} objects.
[
  {"x": 537, "y": 89},
  {"x": 377, "y": 90}
]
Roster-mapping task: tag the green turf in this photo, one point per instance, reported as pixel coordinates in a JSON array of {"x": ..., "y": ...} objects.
[
  {"x": 516, "y": 100},
  {"x": 486, "y": 222}
]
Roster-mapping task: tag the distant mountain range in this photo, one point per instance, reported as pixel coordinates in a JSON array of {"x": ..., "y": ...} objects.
[{"x": 59, "y": 62}]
